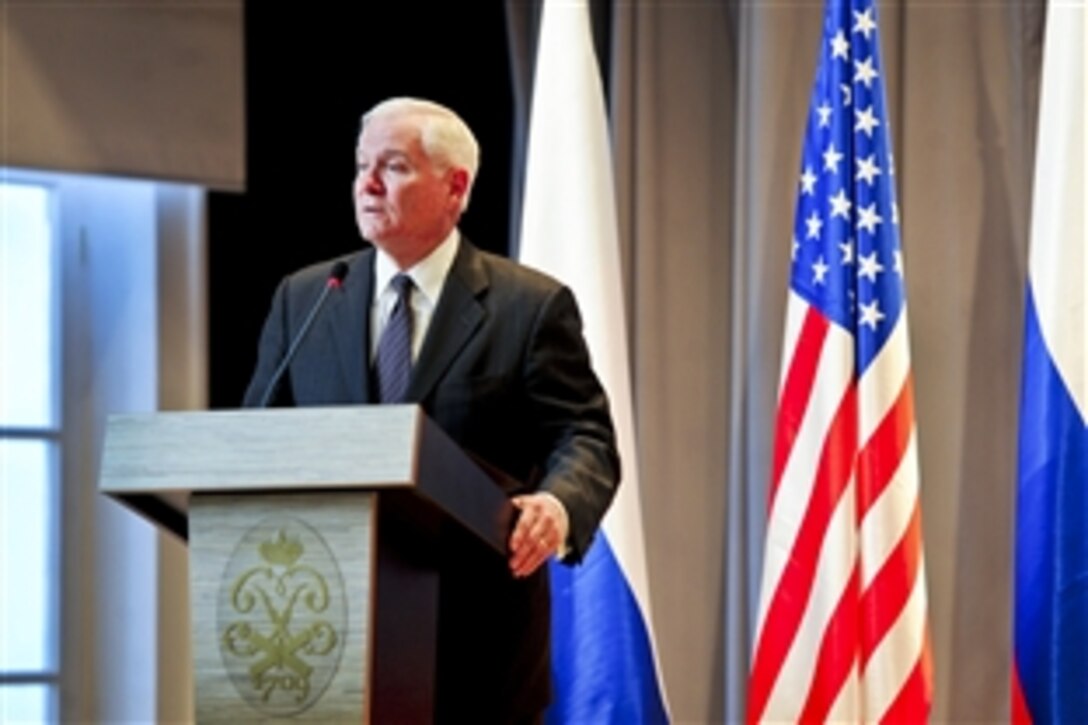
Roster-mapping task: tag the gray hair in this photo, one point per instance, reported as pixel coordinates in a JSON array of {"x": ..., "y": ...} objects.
[{"x": 446, "y": 138}]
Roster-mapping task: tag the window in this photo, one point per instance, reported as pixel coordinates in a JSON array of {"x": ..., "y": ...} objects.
[{"x": 30, "y": 434}]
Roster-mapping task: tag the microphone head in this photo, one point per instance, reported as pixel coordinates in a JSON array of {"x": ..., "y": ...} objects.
[{"x": 339, "y": 271}]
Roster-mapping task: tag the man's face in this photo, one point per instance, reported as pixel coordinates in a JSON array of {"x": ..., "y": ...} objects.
[{"x": 404, "y": 203}]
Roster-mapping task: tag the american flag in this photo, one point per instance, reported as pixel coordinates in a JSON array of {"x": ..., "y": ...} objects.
[{"x": 842, "y": 628}]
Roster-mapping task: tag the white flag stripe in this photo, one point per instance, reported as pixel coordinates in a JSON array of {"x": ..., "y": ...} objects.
[
  {"x": 796, "y": 311},
  {"x": 883, "y": 527},
  {"x": 1058, "y": 270},
  {"x": 881, "y": 384},
  {"x": 834, "y": 376},
  {"x": 847, "y": 706},
  {"x": 897, "y": 654},
  {"x": 835, "y": 563}
]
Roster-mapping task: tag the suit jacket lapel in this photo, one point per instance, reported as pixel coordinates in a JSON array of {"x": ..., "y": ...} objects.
[
  {"x": 350, "y": 334},
  {"x": 456, "y": 318}
]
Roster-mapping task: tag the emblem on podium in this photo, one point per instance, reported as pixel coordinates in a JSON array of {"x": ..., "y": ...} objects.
[{"x": 281, "y": 616}]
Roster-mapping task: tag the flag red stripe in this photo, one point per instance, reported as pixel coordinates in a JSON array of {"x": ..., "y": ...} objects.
[
  {"x": 796, "y": 391},
  {"x": 792, "y": 593},
  {"x": 881, "y": 604},
  {"x": 880, "y": 458},
  {"x": 884, "y": 599},
  {"x": 1020, "y": 714},
  {"x": 838, "y": 653},
  {"x": 911, "y": 705}
]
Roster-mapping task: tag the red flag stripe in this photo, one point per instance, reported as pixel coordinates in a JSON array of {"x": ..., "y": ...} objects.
[
  {"x": 838, "y": 655},
  {"x": 881, "y": 455},
  {"x": 882, "y": 528},
  {"x": 881, "y": 383},
  {"x": 888, "y": 446},
  {"x": 834, "y": 377},
  {"x": 796, "y": 390},
  {"x": 894, "y": 633},
  {"x": 839, "y": 648},
  {"x": 878, "y": 609},
  {"x": 792, "y": 591},
  {"x": 883, "y": 601},
  {"x": 912, "y": 703},
  {"x": 890, "y": 667},
  {"x": 836, "y": 563},
  {"x": 1019, "y": 712}
]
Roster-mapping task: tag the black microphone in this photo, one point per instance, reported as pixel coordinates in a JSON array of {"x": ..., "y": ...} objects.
[{"x": 336, "y": 278}]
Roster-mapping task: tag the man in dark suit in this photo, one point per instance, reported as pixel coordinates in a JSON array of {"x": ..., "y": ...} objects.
[{"x": 497, "y": 360}]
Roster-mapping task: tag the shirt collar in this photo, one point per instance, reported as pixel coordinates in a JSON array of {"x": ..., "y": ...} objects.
[{"x": 428, "y": 274}]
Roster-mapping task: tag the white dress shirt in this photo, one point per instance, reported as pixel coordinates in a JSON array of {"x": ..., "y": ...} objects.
[{"x": 429, "y": 277}]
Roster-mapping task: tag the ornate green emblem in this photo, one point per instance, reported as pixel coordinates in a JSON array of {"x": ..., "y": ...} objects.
[{"x": 281, "y": 622}]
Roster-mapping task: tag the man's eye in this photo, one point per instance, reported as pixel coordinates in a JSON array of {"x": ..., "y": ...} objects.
[{"x": 399, "y": 167}]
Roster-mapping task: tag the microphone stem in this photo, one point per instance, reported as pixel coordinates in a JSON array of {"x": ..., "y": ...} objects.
[{"x": 274, "y": 383}]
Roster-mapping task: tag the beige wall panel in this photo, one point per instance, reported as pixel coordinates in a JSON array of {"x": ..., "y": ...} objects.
[{"x": 148, "y": 89}]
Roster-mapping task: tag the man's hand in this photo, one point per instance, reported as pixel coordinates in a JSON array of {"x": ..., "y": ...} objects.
[{"x": 540, "y": 532}]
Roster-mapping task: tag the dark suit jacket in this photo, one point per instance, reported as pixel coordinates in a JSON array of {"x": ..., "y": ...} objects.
[{"x": 505, "y": 372}]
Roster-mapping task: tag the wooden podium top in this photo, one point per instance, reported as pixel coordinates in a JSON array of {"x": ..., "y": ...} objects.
[{"x": 154, "y": 462}]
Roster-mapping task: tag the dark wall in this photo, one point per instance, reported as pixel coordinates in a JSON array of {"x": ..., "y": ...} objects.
[{"x": 310, "y": 74}]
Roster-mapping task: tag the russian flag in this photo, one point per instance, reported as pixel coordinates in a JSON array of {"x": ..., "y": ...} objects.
[
  {"x": 1050, "y": 669},
  {"x": 603, "y": 656}
]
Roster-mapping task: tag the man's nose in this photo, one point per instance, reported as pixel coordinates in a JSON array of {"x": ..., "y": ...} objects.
[{"x": 371, "y": 182}]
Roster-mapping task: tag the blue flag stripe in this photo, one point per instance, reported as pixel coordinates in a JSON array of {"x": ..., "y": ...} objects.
[
  {"x": 1051, "y": 618},
  {"x": 601, "y": 649}
]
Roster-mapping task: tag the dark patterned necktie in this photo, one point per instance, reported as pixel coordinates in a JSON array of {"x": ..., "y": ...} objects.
[{"x": 394, "y": 360}]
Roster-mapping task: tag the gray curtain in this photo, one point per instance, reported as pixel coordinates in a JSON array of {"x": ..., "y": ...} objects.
[{"x": 709, "y": 102}]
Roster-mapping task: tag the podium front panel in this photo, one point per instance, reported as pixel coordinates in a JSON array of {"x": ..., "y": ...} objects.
[{"x": 281, "y": 591}]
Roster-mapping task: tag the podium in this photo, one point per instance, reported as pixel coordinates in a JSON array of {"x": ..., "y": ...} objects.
[{"x": 312, "y": 536}]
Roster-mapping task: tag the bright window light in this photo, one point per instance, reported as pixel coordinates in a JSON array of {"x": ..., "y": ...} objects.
[
  {"x": 27, "y": 576},
  {"x": 29, "y": 454},
  {"x": 28, "y": 298},
  {"x": 25, "y": 704}
]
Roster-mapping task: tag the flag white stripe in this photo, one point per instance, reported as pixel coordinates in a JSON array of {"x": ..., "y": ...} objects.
[
  {"x": 796, "y": 311},
  {"x": 882, "y": 528},
  {"x": 881, "y": 384},
  {"x": 897, "y": 654},
  {"x": 834, "y": 375},
  {"x": 1057, "y": 270},
  {"x": 838, "y": 551},
  {"x": 847, "y": 705}
]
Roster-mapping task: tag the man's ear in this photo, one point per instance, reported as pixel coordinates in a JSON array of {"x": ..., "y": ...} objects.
[{"x": 458, "y": 184}]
